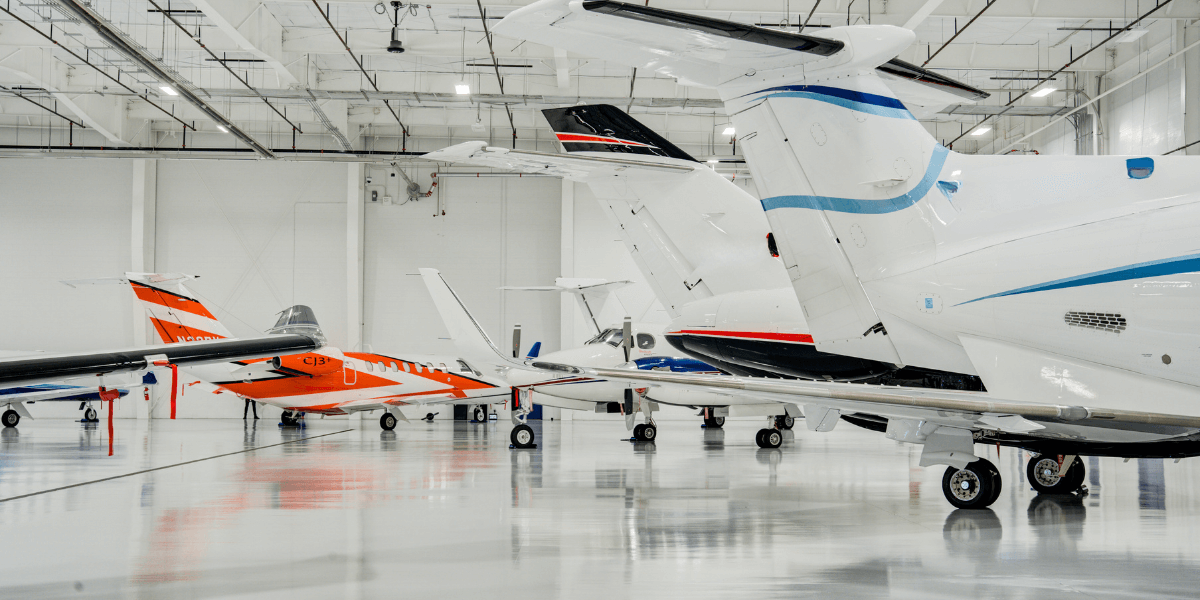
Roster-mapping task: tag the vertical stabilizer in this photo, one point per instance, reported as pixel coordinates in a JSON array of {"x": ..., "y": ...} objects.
[
  {"x": 842, "y": 164},
  {"x": 173, "y": 309}
]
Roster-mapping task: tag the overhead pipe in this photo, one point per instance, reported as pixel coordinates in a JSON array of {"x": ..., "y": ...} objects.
[{"x": 114, "y": 39}]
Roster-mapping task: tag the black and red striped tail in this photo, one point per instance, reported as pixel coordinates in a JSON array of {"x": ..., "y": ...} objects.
[{"x": 606, "y": 128}]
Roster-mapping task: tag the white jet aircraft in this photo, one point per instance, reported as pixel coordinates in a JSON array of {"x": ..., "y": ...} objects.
[
  {"x": 1067, "y": 284},
  {"x": 640, "y": 346}
]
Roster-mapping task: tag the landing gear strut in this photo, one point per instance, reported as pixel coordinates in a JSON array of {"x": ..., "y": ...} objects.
[
  {"x": 1043, "y": 472},
  {"x": 10, "y": 418},
  {"x": 975, "y": 486},
  {"x": 522, "y": 435}
]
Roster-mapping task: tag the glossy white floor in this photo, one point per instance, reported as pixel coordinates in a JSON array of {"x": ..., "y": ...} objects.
[{"x": 447, "y": 510}]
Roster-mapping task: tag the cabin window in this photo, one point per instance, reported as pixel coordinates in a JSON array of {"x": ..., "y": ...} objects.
[
  {"x": 394, "y": 367},
  {"x": 443, "y": 368},
  {"x": 370, "y": 366},
  {"x": 645, "y": 341}
]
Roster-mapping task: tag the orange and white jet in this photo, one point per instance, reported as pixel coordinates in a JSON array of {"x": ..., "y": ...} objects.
[{"x": 326, "y": 381}]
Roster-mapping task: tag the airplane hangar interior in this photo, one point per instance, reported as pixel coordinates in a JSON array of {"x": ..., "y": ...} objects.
[{"x": 600, "y": 298}]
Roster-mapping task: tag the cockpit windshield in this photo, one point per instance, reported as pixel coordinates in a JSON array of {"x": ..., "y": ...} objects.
[{"x": 612, "y": 337}]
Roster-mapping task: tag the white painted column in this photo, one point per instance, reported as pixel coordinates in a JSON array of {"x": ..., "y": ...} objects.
[
  {"x": 566, "y": 267},
  {"x": 355, "y": 209},
  {"x": 145, "y": 201},
  {"x": 1191, "y": 86},
  {"x": 354, "y": 256},
  {"x": 144, "y": 204},
  {"x": 566, "y": 306}
]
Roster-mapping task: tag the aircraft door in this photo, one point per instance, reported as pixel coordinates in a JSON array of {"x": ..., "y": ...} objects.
[{"x": 349, "y": 374}]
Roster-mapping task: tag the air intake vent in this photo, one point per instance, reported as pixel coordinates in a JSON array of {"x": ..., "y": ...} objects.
[{"x": 1110, "y": 322}]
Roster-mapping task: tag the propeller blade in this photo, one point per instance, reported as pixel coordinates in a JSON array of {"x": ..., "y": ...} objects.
[
  {"x": 627, "y": 337},
  {"x": 517, "y": 341}
]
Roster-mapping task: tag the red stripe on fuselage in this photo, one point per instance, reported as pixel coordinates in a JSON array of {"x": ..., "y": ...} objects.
[{"x": 800, "y": 338}]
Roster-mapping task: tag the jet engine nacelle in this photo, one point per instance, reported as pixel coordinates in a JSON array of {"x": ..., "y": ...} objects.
[{"x": 309, "y": 364}]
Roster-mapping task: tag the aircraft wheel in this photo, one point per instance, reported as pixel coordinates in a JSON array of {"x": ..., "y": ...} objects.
[
  {"x": 645, "y": 432},
  {"x": 287, "y": 418},
  {"x": 976, "y": 486},
  {"x": 480, "y": 414},
  {"x": 89, "y": 414},
  {"x": 785, "y": 421},
  {"x": 769, "y": 438},
  {"x": 521, "y": 436},
  {"x": 387, "y": 421},
  {"x": 10, "y": 418},
  {"x": 1042, "y": 472},
  {"x": 714, "y": 422}
]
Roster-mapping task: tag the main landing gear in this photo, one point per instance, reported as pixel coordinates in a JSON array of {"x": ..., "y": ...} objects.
[
  {"x": 1046, "y": 474},
  {"x": 714, "y": 422},
  {"x": 291, "y": 419},
  {"x": 772, "y": 436},
  {"x": 521, "y": 435},
  {"x": 975, "y": 486},
  {"x": 387, "y": 421},
  {"x": 645, "y": 432},
  {"x": 90, "y": 415},
  {"x": 785, "y": 422},
  {"x": 10, "y": 418}
]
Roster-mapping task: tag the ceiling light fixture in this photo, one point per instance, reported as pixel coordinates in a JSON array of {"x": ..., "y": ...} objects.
[
  {"x": 223, "y": 130},
  {"x": 394, "y": 46},
  {"x": 981, "y": 131},
  {"x": 167, "y": 89},
  {"x": 713, "y": 161},
  {"x": 462, "y": 88},
  {"x": 728, "y": 130},
  {"x": 1046, "y": 91}
]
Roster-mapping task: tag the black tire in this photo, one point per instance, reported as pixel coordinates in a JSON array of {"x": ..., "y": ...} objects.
[
  {"x": 10, "y": 418},
  {"x": 89, "y": 414},
  {"x": 480, "y": 414},
  {"x": 521, "y": 436},
  {"x": 785, "y": 421},
  {"x": 387, "y": 421},
  {"x": 287, "y": 419},
  {"x": 714, "y": 422},
  {"x": 1042, "y": 472},
  {"x": 976, "y": 486},
  {"x": 645, "y": 432},
  {"x": 769, "y": 438}
]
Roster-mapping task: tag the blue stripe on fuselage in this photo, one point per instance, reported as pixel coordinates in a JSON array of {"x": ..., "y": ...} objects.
[
  {"x": 1156, "y": 268},
  {"x": 873, "y": 104},
  {"x": 867, "y": 207}
]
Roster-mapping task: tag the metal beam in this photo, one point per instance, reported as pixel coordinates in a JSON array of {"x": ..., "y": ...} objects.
[{"x": 117, "y": 41}]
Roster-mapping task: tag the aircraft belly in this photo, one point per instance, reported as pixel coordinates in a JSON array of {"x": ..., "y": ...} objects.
[{"x": 778, "y": 357}]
